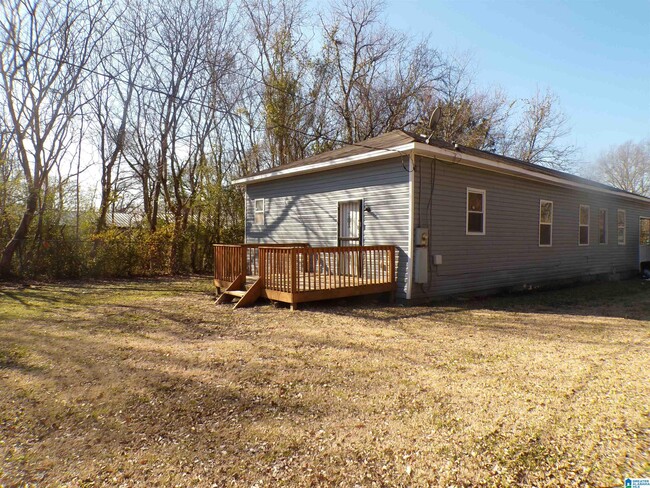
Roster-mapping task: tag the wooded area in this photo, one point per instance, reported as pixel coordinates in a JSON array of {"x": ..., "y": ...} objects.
[{"x": 151, "y": 108}]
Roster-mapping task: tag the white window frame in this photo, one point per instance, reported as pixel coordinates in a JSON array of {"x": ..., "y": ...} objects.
[
  {"x": 600, "y": 211},
  {"x": 539, "y": 236},
  {"x": 257, "y": 212},
  {"x": 620, "y": 211},
  {"x": 581, "y": 225},
  {"x": 483, "y": 213}
]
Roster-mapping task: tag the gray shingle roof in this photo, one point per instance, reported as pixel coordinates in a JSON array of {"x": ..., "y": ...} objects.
[{"x": 400, "y": 137}]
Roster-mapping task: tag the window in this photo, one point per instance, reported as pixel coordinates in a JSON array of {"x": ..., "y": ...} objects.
[
  {"x": 475, "y": 211},
  {"x": 583, "y": 237},
  {"x": 602, "y": 226},
  {"x": 259, "y": 211},
  {"x": 620, "y": 226},
  {"x": 545, "y": 223}
]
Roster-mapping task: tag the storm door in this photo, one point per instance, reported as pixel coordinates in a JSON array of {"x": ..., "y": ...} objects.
[
  {"x": 350, "y": 234},
  {"x": 644, "y": 240}
]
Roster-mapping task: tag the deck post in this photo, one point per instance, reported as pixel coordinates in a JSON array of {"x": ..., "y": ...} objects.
[
  {"x": 217, "y": 263},
  {"x": 294, "y": 289},
  {"x": 293, "y": 270},
  {"x": 262, "y": 264},
  {"x": 243, "y": 263}
]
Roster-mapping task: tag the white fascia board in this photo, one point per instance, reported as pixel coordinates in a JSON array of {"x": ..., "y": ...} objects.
[
  {"x": 335, "y": 163},
  {"x": 489, "y": 165}
]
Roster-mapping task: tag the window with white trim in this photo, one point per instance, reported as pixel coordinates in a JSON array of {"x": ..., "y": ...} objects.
[
  {"x": 475, "y": 212},
  {"x": 620, "y": 226},
  {"x": 545, "y": 223},
  {"x": 602, "y": 226},
  {"x": 583, "y": 227},
  {"x": 259, "y": 211}
]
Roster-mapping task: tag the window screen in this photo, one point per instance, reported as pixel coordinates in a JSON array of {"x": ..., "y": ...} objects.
[
  {"x": 475, "y": 211},
  {"x": 583, "y": 238},
  {"x": 545, "y": 223},
  {"x": 259, "y": 211}
]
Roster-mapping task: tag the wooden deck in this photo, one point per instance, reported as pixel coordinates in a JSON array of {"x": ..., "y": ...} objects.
[{"x": 296, "y": 273}]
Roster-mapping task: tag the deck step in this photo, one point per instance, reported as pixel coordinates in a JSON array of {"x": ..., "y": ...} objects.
[
  {"x": 235, "y": 293},
  {"x": 230, "y": 292},
  {"x": 253, "y": 292}
]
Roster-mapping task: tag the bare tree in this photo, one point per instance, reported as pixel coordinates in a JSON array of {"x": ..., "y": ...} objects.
[
  {"x": 378, "y": 75},
  {"x": 189, "y": 52},
  {"x": 532, "y": 130},
  {"x": 539, "y": 136},
  {"x": 279, "y": 56},
  {"x": 626, "y": 166},
  {"x": 9, "y": 184},
  {"x": 357, "y": 45},
  {"x": 115, "y": 88},
  {"x": 471, "y": 116},
  {"x": 46, "y": 48}
]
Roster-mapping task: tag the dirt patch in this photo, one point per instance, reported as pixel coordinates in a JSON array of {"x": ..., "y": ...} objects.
[{"x": 149, "y": 383}]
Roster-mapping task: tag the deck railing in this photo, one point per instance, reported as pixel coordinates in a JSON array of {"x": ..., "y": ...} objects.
[
  {"x": 229, "y": 262},
  {"x": 295, "y": 273},
  {"x": 233, "y": 260},
  {"x": 296, "y": 270}
]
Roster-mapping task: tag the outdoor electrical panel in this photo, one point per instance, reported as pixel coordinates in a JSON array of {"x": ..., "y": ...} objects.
[
  {"x": 421, "y": 263},
  {"x": 422, "y": 237}
]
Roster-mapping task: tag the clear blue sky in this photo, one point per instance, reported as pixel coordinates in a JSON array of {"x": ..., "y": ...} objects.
[{"x": 594, "y": 54}]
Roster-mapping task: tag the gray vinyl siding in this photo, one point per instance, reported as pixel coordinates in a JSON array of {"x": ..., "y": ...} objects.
[
  {"x": 509, "y": 255},
  {"x": 305, "y": 208}
]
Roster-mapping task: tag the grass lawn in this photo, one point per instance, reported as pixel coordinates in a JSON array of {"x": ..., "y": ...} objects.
[{"x": 149, "y": 383}]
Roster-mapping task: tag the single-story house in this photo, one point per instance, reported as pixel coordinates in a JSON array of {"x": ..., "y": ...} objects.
[{"x": 461, "y": 220}]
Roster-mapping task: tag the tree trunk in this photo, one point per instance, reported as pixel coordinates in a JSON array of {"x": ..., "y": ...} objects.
[
  {"x": 19, "y": 236},
  {"x": 194, "y": 250},
  {"x": 105, "y": 202},
  {"x": 178, "y": 245}
]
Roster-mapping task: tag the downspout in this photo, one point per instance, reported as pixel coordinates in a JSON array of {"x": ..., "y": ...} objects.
[{"x": 411, "y": 227}]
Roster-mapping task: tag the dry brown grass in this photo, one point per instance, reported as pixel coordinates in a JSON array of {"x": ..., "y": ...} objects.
[{"x": 149, "y": 383}]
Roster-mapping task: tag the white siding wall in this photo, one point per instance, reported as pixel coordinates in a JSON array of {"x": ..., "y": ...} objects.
[{"x": 305, "y": 208}]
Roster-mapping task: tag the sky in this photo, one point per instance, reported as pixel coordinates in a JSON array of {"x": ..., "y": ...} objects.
[{"x": 595, "y": 55}]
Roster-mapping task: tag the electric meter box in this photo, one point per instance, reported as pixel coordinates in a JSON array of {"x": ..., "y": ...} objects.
[
  {"x": 421, "y": 236},
  {"x": 421, "y": 265}
]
